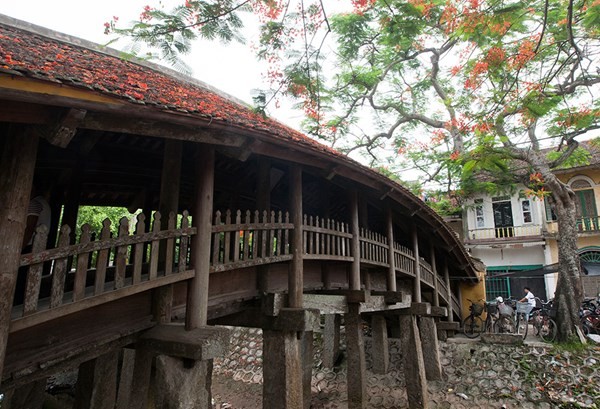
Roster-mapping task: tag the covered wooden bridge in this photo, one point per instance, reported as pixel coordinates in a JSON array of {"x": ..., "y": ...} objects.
[{"x": 244, "y": 222}]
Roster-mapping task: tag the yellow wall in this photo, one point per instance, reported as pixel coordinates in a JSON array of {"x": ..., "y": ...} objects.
[{"x": 473, "y": 292}]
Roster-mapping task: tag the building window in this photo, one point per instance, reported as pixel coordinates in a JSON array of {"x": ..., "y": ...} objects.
[
  {"x": 550, "y": 214},
  {"x": 526, "y": 208},
  {"x": 480, "y": 219}
]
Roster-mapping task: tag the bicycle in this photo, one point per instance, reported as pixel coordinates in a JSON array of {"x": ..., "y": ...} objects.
[
  {"x": 545, "y": 327},
  {"x": 505, "y": 324},
  {"x": 491, "y": 309},
  {"x": 473, "y": 324},
  {"x": 522, "y": 318}
]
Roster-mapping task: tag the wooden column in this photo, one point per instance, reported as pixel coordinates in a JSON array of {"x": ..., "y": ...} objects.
[
  {"x": 162, "y": 297},
  {"x": 355, "y": 271},
  {"x": 295, "y": 278},
  {"x": 380, "y": 349},
  {"x": 263, "y": 185},
  {"x": 414, "y": 366},
  {"x": 449, "y": 295},
  {"x": 97, "y": 383},
  {"x": 391, "y": 277},
  {"x": 18, "y": 150},
  {"x": 307, "y": 354},
  {"x": 436, "y": 291},
  {"x": 417, "y": 284},
  {"x": 197, "y": 298}
]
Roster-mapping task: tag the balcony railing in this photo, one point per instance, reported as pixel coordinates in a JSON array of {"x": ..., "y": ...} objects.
[
  {"x": 588, "y": 224},
  {"x": 505, "y": 233}
]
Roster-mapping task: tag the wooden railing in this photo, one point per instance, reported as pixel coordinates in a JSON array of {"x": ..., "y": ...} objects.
[
  {"x": 373, "y": 248},
  {"x": 251, "y": 241},
  {"x": 104, "y": 264},
  {"x": 426, "y": 273},
  {"x": 442, "y": 288},
  {"x": 326, "y": 239},
  {"x": 404, "y": 259},
  {"x": 505, "y": 233}
]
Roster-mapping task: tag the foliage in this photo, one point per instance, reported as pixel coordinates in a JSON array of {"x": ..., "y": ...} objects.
[{"x": 95, "y": 215}]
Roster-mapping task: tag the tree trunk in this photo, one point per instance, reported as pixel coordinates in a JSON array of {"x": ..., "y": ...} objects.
[{"x": 568, "y": 290}]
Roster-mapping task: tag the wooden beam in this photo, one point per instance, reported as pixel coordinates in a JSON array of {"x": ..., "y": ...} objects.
[
  {"x": 64, "y": 130},
  {"x": 198, "y": 344},
  {"x": 159, "y": 128},
  {"x": 21, "y": 112}
]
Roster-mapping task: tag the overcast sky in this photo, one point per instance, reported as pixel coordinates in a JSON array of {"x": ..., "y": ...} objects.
[{"x": 232, "y": 68}]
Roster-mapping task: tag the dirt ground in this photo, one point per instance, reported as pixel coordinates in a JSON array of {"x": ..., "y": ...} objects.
[{"x": 231, "y": 394}]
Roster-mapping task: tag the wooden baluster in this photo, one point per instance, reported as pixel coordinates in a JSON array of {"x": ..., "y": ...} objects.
[
  {"x": 59, "y": 272},
  {"x": 279, "y": 234},
  {"x": 306, "y": 235},
  {"x": 154, "y": 248},
  {"x": 216, "y": 259},
  {"x": 272, "y": 235},
  {"x": 247, "y": 235},
  {"x": 227, "y": 248},
  {"x": 236, "y": 237},
  {"x": 82, "y": 264},
  {"x": 338, "y": 243},
  {"x": 138, "y": 257},
  {"x": 286, "y": 241},
  {"x": 170, "y": 250},
  {"x": 34, "y": 275},
  {"x": 328, "y": 244},
  {"x": 311, "y": 236},
  {"x": 263, "y": 236},
  {"x": 317, "y": 237},
  {"x": 255, "y": 235},
  {"x": 184, "y": 243},
  {"x": 102, "y": 260},
  {"x": 343, "y": 240},
  {"x": 121, "y": 256}
]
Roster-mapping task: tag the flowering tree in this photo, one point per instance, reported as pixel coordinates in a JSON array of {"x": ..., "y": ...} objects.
[{"x": 453, "y": 88}]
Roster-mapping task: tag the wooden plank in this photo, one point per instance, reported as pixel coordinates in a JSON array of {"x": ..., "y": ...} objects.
[
  {"x": 102, "y": 260},
  {"x": 60, "y": 270},
  {"x": 64, "y": 130},
  {"x": 121, "y": 255},
  {"x": 271, "y": 236},
  {"x": 250, "y": 263},
  {"x": 278, "y": 253},
  {"x": 89, "y": 302},
  {"x": 216, "y": 241},
  {"x": 236, "y": 237},
  {"x": 138, "y": 258},
  {"x": 34, "y": 275},
  {"x": 227, "y": 240},
  {"x": 247, "y": 236},
  {"x": 154, "y": 248},
  {"x": 82, "y": 265},
  {"x": 263, "y": 236}
]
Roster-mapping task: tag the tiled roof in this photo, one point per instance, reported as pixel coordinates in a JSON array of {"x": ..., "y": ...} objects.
[{"x": 33, "y": 55}]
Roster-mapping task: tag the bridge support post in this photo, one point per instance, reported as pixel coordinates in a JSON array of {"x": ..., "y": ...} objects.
[
  {"x": 414, "y": 365},
  {"x": 331, "y": 340},
  {"x": 307, "y": 355},
  {"x": 182, "y": 383},
  {"x": 380, "y": 349},
  {"x": 282, "y": 370},
  {"x": 97, "y": 383},
  {"x": 357, "y": 387},
  {"x": 428, "y": 334}
]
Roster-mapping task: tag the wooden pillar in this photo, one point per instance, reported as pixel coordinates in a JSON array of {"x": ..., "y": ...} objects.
[
  {"x": 331, "y": 340},
  {"x": 436, "y": 291},
  {"x": 391, "y": 277},
  {"x": 414, "y": 366},
  {"x": 18, "y": 150},
  {"x": 162, "y": 297},
  {"x": 295, "y": 278},
  {"x": 449, "y": 295},
  {"x": 380, "y": 349},
  {"x": 197, "y": 298},
  {"x": 356, "y": 377},
  {"x": 263, "y": 185},
  {"x": 282, "y": 370},
  {"x": 431, "y": 359},
  {"x": 417, "y": 284},
  {"x": 355, "y": 271},
  {"x": 142, "y": 373}
]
